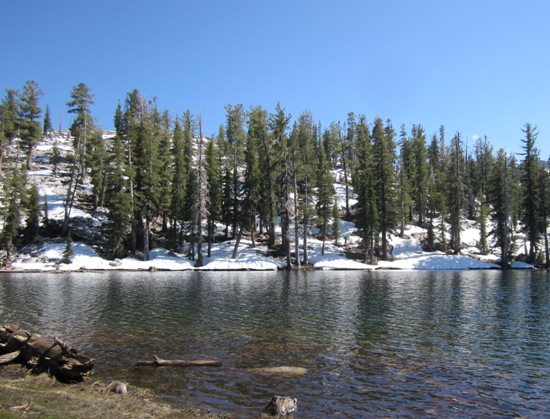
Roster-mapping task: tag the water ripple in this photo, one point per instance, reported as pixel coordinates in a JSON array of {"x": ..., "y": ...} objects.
[{"x": 374, "y": 344}]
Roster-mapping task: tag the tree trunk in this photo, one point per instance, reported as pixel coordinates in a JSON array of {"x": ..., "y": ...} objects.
[
  {"x": 237, "y": 242},
  {"x": 40, "y": 355},
  {"x": 29, "y": 158},
  {"x": 146, "y": 238}
]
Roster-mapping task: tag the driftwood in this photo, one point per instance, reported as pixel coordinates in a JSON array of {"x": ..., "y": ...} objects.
[
  {"x": 43, "y": 355},
  {"x": 158, "y": 362}
]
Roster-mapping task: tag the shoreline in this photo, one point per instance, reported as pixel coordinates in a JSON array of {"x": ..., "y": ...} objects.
[{"x": 22, "y": 393}]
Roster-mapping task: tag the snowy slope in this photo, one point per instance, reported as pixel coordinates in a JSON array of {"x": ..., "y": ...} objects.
[{"x": 407, "y": 253}]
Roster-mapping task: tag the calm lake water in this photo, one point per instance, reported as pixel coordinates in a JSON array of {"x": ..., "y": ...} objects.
[{"x": 398, "y": 344}]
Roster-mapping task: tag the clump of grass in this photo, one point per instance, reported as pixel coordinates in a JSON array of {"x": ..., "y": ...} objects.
[{"x": 22, "y": 393}]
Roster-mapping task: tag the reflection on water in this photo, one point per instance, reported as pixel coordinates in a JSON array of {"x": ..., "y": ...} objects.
[{"x": 373, "y": 343}]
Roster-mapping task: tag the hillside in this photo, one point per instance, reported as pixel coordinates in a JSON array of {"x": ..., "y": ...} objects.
[{"x": 88, "y": 227}]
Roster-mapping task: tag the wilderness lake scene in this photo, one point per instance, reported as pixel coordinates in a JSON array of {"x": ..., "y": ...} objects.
[{"x": 353, "y": 344}]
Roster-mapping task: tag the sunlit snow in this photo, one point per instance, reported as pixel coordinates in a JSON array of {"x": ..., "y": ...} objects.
[{"x": 407, "y": 253}]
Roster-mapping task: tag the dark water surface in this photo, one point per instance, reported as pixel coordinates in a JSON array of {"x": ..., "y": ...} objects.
[{"x": 397, "y": 344}]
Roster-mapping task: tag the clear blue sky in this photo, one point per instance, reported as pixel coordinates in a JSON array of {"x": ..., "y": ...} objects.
[{"x": 481, "y": 67}]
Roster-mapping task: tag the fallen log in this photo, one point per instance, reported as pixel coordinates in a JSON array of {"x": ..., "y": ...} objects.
[
  {"x": 43, "y": 355},
  {"x": 158, "y": 362}
]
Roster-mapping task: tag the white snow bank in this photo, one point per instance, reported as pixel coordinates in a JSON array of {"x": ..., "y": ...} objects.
[
  {"x": 248, "y": 258},
  {"x": 521, "y": 265}
]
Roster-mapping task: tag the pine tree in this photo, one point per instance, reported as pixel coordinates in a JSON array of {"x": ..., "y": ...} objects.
[
  {"x": 455, "y": 189},
  {"x": 214, "y": 176},
  {"x": 118, "y": 199},
  {"x": 303, "y": 151},
  {"x": 30, "y": 130},
  {"x": 252, "y": 182},
  {"x": 33, "y": 210},
  {"x": 179, "y": 181},
  {"x": 278, "y": 122},
  {"x": 367, "y": 217},
  {"x": 531, "y": 199},
  {"x": 83, "y": 125},
  {"x": 404, "y": 189},
  {"x": 47, "y": 127},
  {"x": 335, "y": 223},
  {"x": 81, "y": 128},
  {"x": 236, "y": 143},
  {"x": 190, "y": 199},
  {"x": 164, "y": 167},
  {"x": 56, "y": 157},
  {"x": 201, "y": 193},
  {"x": 498, "y": 197},
  {"x": 325, "y": 193},
  {"x": 68, "y": 252},
  {"x": 420, "y": 171},
  {"x": 347, "y": 147},
  {"x": 96, "y": 162},
  {"x": 544, "y": 208},
  {"x": 269, "y": 165},
  {"x": 9, "y": 114},
  {"x": 14, "y": 195},
  {"x": 383, "y": 150}
]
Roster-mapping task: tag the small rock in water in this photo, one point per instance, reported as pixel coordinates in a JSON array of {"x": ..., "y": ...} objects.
[{"x": 281, "y": 406}]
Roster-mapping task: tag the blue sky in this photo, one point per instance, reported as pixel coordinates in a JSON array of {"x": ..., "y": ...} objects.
[{"x": 479, "y": 67}]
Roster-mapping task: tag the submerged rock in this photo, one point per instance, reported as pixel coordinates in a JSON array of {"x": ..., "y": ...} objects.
[
  {"x": 281, "y": 370},
  {"x": 280, "y": 406}
]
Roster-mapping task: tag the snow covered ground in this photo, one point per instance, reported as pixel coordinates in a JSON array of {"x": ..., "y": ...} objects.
[{"x": 407, "y": 253}]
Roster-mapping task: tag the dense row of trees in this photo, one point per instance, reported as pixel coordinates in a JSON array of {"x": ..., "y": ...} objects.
[{"x": 159, "y": 173}]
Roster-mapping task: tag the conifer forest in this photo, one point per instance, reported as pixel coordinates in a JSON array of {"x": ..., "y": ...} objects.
[{"x": 266, "y": 175}]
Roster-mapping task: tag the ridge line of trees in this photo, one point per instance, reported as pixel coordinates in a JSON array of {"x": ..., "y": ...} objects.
[{"x": 159, "y": 176}]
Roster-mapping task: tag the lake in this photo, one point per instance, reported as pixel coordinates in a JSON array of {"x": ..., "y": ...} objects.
[{"x": 385, "y": 343}]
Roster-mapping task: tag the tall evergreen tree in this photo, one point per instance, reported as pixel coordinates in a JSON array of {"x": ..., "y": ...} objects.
[
  {"x": 202, "y": 192},
  {"x": 30, "y": 130},
  {"x": 96, "y": 158},
  {"x": 347, "y": 147},
  {"x": 33, "y": 210},
  {"x": 164, "y": 166},
  {"x": 367, "y": 217},
  {"x": 455, "y": 190},
  {"x": 269, "y": 164},
  {"x": 179, "y": 181},
  {"x": 303, "y": 139},
  {"x": 252, "y": 182},
  {"x": 118, "y": 199},
  {"x": 403, "y": 173},
  {"x": 383, "y": 150},
  {"x": 325, "y": 193},
  {"x": 214, "y": 176},
  {"x": 68, "y": 252},
  {"x": 236, "y": 139},
  {"x": 189, "y": 210},
  {"x": 83, "y": 124},
  {"x": 498, "y": 197},
  {"x": 278, "y": 122},
  {"x": 14, "y": 195},
  {"x": 81, "y": 128},
  {"x": 9, "y": 114},
  {"x": 420, "y": 172},
  {"x": 530, "y": 201},
  {"x": 544, "y": 208},
  {"x": 47, "y": 127}
]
